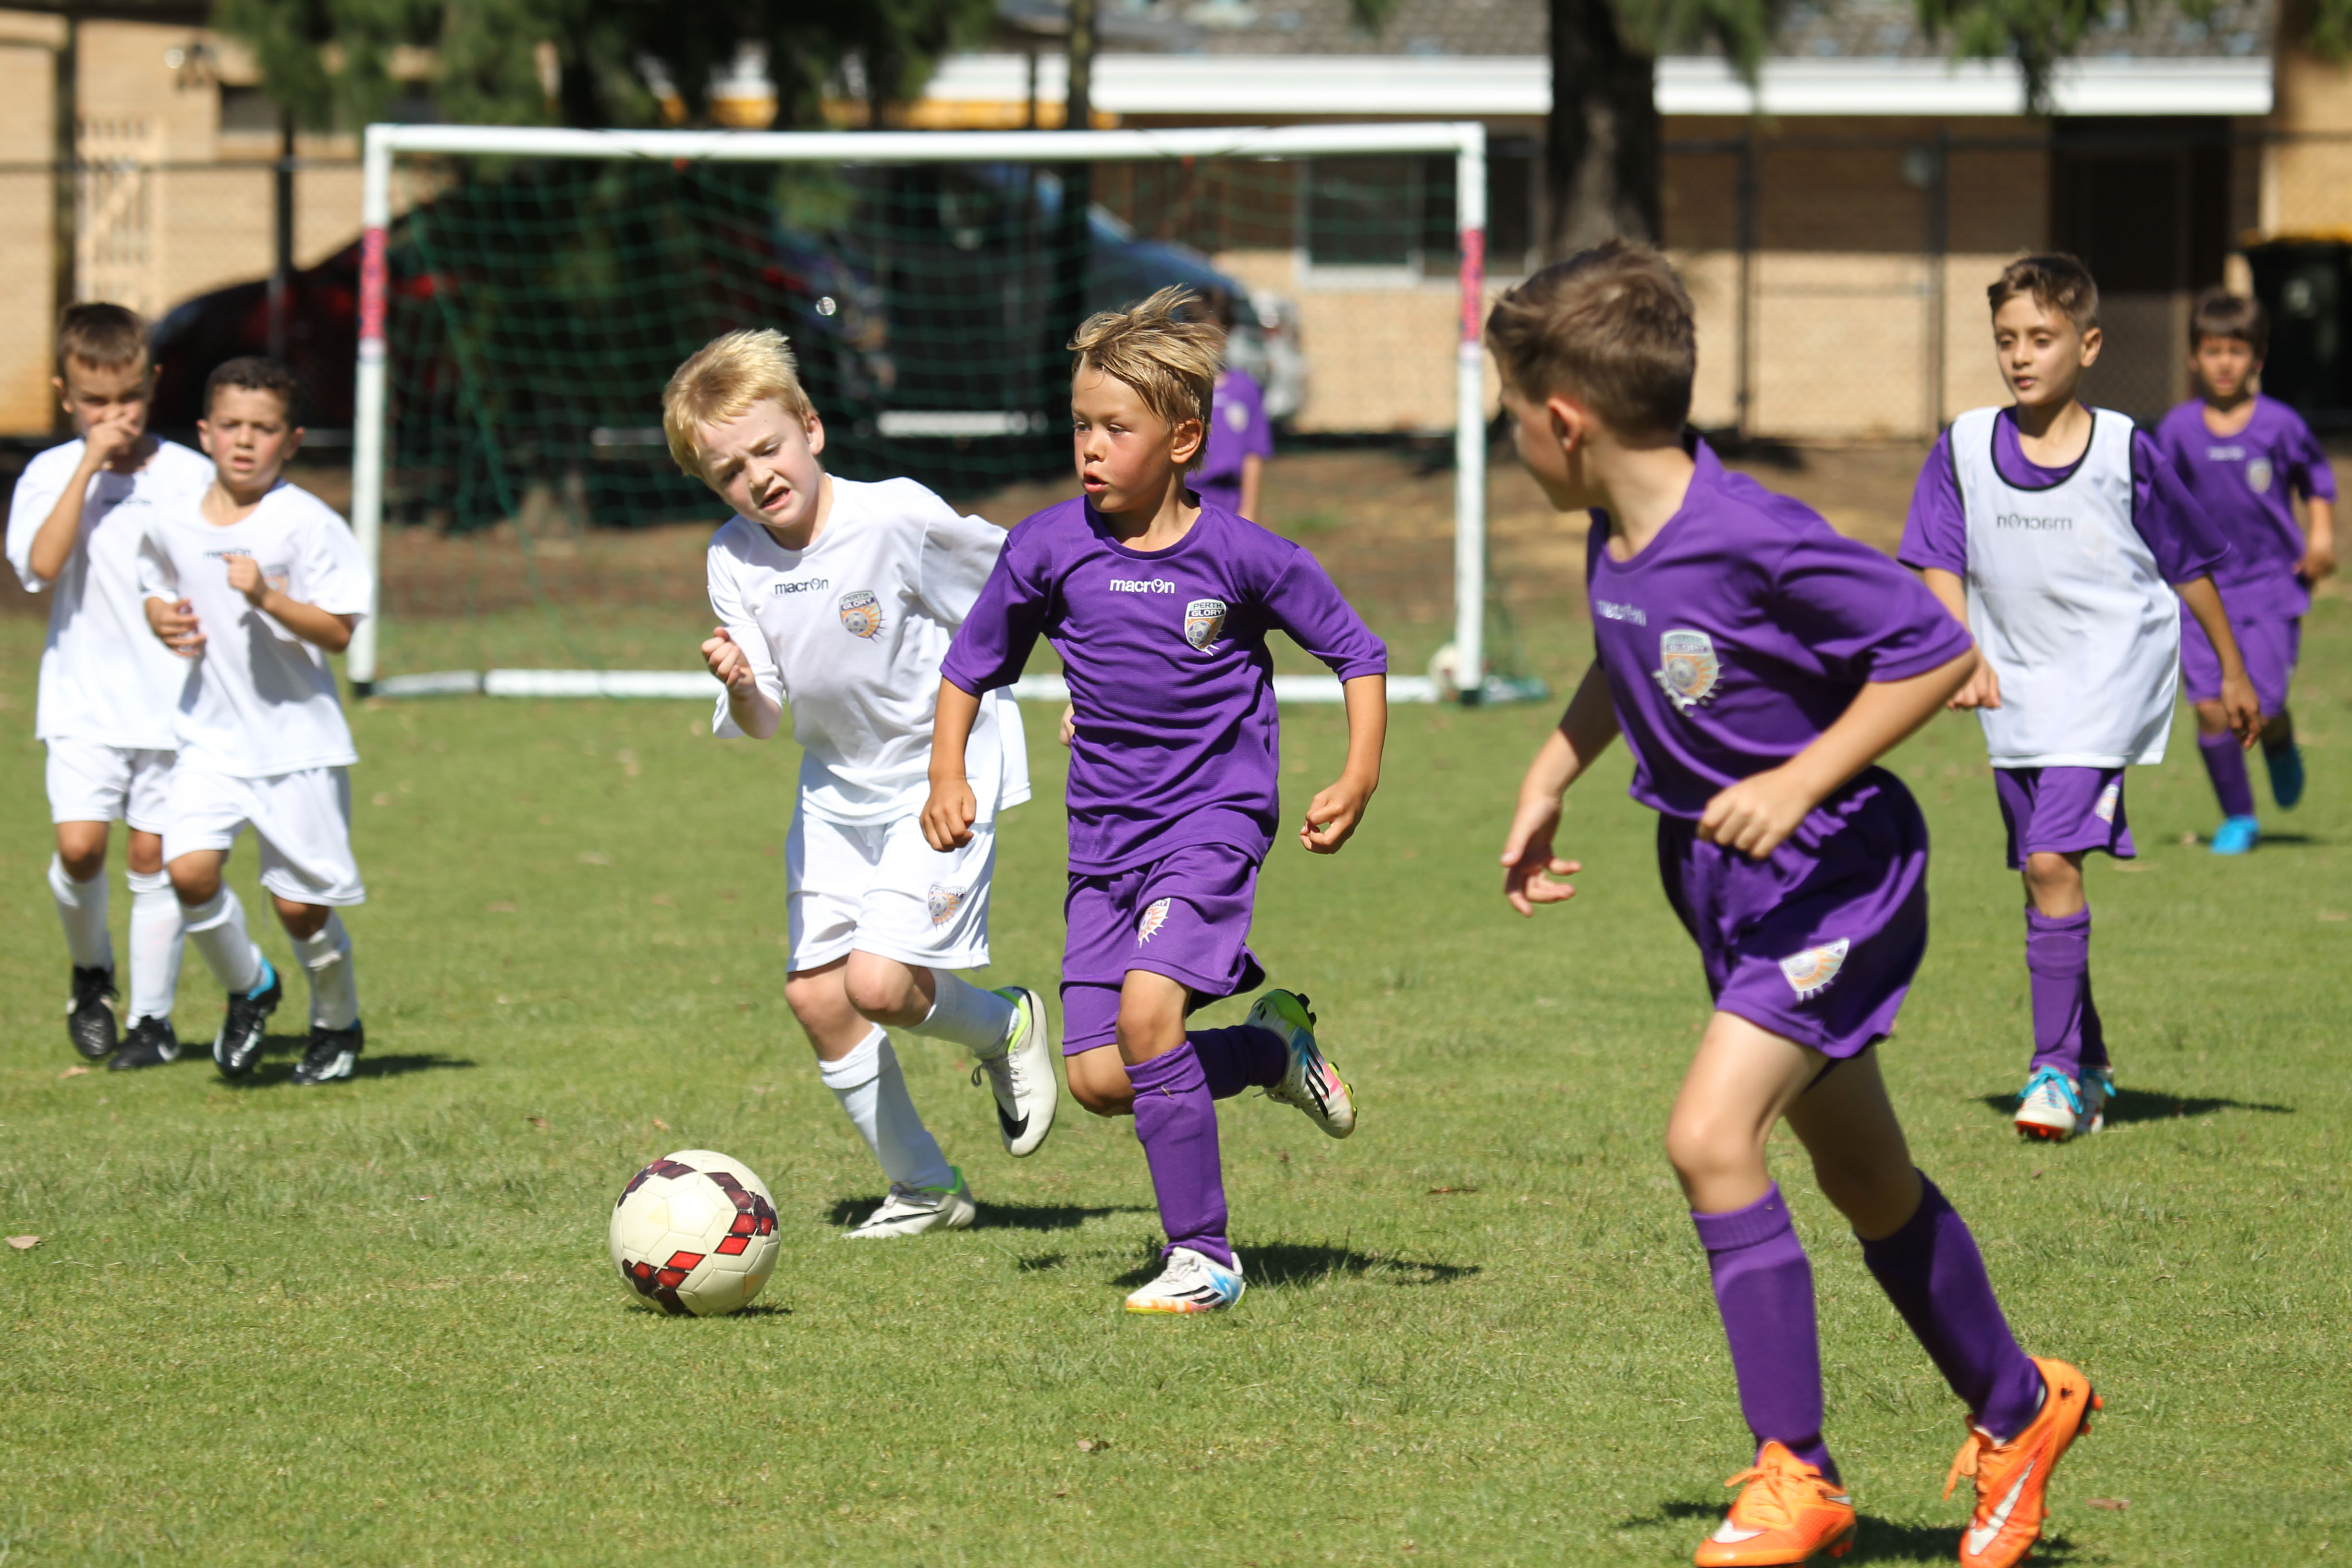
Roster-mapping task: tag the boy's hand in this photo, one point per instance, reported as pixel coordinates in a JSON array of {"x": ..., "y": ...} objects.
[
  {"x": 1529, "y": 863},
  {"x": 245, "y": 576},
  {"x": 1981, "y": 690},
  {"x": 176, "y": 625},
  {"x": 729, "y": 663},
  {"x": 2318, "y": 558},
  {"x": 1758, "y": 814},
  {"x": 111, "y": 436},
  {"x": 1069, "y": 723},
  {"x": 947, "y": 815},
  {"x": 2242, "y": 706},
  {"x": 1332, "y": 815}
]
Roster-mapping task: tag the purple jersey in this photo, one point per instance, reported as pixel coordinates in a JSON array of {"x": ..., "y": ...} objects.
[
  {"x": 1238, "y": 429},
  {"x": 2245, "y": 483},
  {"x": 1165, "y": 653},
  {"x": 2183, "y": 539},
  {"x": 1743, "y": 630}
]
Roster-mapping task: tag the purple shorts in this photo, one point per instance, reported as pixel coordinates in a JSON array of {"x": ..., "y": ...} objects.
[
  {"x": 2060, "y": 811},
  {"x": 2269, "y": 647},
  {"x": 1819, "y": 942},
  {"x": 1186, "y": 916}
]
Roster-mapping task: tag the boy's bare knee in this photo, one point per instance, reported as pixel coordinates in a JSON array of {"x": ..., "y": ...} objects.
[
  {"x": 1705, "y": 1148},
  {"x": 143, "y": 853},
  {"x": 883, "y": 989},
  {"x": 81, "y": 849},
  {"x": 194, "y": 881},
  {"x": 1098, "y": 1082},
  {"x": 302, "y": 921}
]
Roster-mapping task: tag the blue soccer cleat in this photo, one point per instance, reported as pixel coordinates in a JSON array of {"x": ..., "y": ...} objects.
[
  {"x": 2236, "y": 834},
  {"x": 2286, "y": 776}
]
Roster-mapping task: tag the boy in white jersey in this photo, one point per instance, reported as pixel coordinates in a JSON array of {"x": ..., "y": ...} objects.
[
  {"x": 2063, "y": 539},
  {"x": 106, "y": 688},
  {"x": 839, "y": 598},
  {"x": 250, "y": 585}
]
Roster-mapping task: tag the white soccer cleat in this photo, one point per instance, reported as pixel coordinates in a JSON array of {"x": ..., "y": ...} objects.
[
  {"x": 910, "y": 1211},
  {"x": 2050, "y": 1108},
  {"x": 1309, "y": 1082},
  {"x": 1191, "y": 1283},
  {"x": 1021, "y": 1075}
]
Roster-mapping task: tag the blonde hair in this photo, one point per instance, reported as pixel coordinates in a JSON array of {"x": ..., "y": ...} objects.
[
  {"x": 721, "y": 380},
  {"x": 1163, "y": 348},
  {"x": 1611, "y": 325}
]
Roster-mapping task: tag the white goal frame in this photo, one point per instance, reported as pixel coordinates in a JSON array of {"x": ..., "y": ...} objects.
[{"x": 1465, "y": 140}]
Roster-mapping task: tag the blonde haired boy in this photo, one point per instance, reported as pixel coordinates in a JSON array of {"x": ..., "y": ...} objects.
[{"x": 838, "y": 599}]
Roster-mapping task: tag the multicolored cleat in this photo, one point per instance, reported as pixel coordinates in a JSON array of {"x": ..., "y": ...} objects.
[
  {"x": 1308, "y": 1082},
  {"x": 1786, "y": 1512},
  {"x": 2051, "y": 1107},
  {"x": 2237, "y": 836},
  {"x": 1191, "y": 1282},
  {"x": 2012, "y": 1478},
  {"x": 2097, "y": 1088},
  {"x": 2285, "y": 766}
]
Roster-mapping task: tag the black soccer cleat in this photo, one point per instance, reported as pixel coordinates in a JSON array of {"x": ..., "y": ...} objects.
[
  {"x": 238, "y": 1044},
  {"x": 89, "y": 1017},
  {"x": 333, "y": 1054},
  {"x": 150, "y": 1043}
]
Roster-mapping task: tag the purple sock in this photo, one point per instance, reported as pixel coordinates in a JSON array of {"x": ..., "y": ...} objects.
[
  {"x": 1764, "y": 1288},
  {"x": 2058, "y": 956},
  {"x": 2095, "y": 1033},
  {"x": 1238, "y": 1058},
  {"x": 1933, "y": 1273},
  {"x": 2225, "y": 764},
  {"x": 1177, "y": 1121}
]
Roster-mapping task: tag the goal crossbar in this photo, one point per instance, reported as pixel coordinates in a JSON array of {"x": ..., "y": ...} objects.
[{"x": 1465, "y": 140}]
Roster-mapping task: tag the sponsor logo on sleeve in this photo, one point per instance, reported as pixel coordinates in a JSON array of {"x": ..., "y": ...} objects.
[
  {"x": 1810, "y": 973},
  {"x": 1153, "y": 919},
  {"x": 2258, "y": 476},
  {"x": 1687, "y": 667},
  {"x": 1204, "y": 621},
  {"x": 861, "y": 613},
  {"x": 2104, "y": 808},
  {"x": 943, "y": 903}
]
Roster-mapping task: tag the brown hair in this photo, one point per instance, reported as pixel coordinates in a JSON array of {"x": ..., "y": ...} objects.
[
  {"x": 1611, "y": 325},
  {"x": 2057, "y": 283},
  {"x": 105, "y": 336},
  {"x": 2218, "y": 313},
  {"x": 721, "y": 380},
  {"x": 1163, "y": 348},
  {"x": 252, "y": 373}
]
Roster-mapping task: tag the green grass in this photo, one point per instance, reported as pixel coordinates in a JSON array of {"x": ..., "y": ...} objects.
[{"x": 373, "y": 1323}]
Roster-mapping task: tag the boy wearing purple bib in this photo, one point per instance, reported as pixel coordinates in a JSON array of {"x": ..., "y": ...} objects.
[
  {"x": 1758, "y": 664},
  {"x": 1161, "y": 609},
  {"x": 2244, "y": 458},
  {"x": 2063, "y": 539}
]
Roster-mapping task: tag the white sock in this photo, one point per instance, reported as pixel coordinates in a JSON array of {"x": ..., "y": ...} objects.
[
  {"x": 334, "y": 990},
  {"x": 218, "y": 930},
  {"x": 157, "y": 935},
  {"x": 82, "y": 910},
  {"x": 872, "y": 1091},
  {"x": 964, "y": 1015}
]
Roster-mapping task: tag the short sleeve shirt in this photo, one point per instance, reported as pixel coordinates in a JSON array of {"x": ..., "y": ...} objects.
[
  {"x": 2245, "y": 483},
  {"x": 1238, "y": 429}
]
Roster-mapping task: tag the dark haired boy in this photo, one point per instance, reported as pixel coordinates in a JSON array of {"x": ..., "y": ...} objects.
[
  {"x": 2063, "y": 538},
  {"x": 254, "y": 585},
  {"x": 1758, "y": 665},
  {"x": 106, "y": 688},
  {"x": 2245, "y": 459}
]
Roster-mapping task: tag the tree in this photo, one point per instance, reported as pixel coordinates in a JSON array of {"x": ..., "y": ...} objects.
[{"x": 585, "y": 62}]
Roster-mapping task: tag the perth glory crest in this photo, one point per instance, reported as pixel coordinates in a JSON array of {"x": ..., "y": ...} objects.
[
  {"x": 861, "y": 613},
  {"x": 1687, "y": 667},
  {"x": 944, "y": 902},
  {"x": 1808, "y": 973},
  {"x": 1204, "y": 621},
  {"x": 1153, "y": 919}
]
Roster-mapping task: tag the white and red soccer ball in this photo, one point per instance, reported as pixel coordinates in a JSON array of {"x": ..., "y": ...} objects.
[{"x": 694, "y": 1232}]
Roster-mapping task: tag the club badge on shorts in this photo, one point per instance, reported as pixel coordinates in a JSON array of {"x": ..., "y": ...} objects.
[
  {"x": 2104, "y": 808},
  {"x": 861, "y": 614},
  {"x": 2258, "y": 476},
  {"x": 1204, "y": 620},
  {"x": 1153, "y": 919},
  {"x": 1808, "y": 973},
  {"x": 943, "y": 903},
  {"x": 1687, "y": 667}
]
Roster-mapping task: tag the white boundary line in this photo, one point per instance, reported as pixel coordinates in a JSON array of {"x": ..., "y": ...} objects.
[
  {"x": 696, "y": 685},
  {"x": 1466, "y": 140}
]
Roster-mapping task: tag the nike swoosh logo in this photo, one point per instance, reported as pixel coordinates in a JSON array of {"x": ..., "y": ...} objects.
[
  {"x": 1981, "y": 1539},
  {"x": 1731, "y": 1536},
  {"x": 1012, "y": 1128}
]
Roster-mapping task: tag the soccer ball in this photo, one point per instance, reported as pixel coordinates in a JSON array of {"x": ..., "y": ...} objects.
[{"x": 694, "y": 1232}]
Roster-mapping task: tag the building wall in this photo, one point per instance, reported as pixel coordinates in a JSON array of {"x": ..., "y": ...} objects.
[{"x": 27, "y": 115}]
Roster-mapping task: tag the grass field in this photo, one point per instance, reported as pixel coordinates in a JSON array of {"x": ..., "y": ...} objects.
[{"x": 373, "y": 1324}]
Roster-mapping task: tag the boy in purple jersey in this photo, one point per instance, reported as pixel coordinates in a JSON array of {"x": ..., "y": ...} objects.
[
  {"x": 1241, "y": 437},
  {"x": 2244, "y": 458},
  {"x": 2065, "y": 542},
  {"x": 1758, "y": 664},
  {"x": 1161, "y": 609}
]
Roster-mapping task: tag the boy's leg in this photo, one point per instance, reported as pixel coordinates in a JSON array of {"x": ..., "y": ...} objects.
[
  {"x": 78, "y": 889},
  {"x": 1008, "y": 1032},
  {"x": 2282, "y": 758},
  {"x": 1176, "y": 1122},
  {"x": 215, "y": 920},
  {"x": 2056, "y": 816},
  {"x": 157, "y": 936},
  {"x": 857, "y": 1063},
  {"x": 2225, "y": 764},
  {"x": 303, "y": 823}
]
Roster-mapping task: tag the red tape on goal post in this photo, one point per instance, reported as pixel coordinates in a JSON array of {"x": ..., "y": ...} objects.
[
  {"x": 1473, "y": 282},
  {"x": 372, "y": 286}
]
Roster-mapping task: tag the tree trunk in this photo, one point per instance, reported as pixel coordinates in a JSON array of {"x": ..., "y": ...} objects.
[{"x": 1602, "y": 148}]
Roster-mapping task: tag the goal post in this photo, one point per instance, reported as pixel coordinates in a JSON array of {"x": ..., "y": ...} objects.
[{"x": 1464, "y": 141}]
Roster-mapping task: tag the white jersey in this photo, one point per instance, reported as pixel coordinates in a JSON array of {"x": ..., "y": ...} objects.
[
  {"x": 2068, "y": 606},
  {"x": 105, "y": 676},
  {"x": 261, "y": 702},
  {"x": 849, "y": 634}
]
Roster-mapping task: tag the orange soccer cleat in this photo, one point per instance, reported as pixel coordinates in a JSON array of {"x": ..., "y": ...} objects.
[
  {"x": 2014, "y": 1477},
  {"x": 1784, "y": 1513}
]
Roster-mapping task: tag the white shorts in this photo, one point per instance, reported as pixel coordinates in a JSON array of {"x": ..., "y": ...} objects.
[
  {"x": 90, "y": 781},
  {"x": 303, "y": 820},
  {"x": 882, "y": 889}
]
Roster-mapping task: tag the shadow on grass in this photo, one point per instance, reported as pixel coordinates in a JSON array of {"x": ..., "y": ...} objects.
[
  {"x": 1288, "y": 1266},
  {"x": 998, "y": 1216},
  {"x": 268, "y": 1074},
  {"x": 1877, "y": 1540},
  {"x": 2145, "y": 1105}
]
